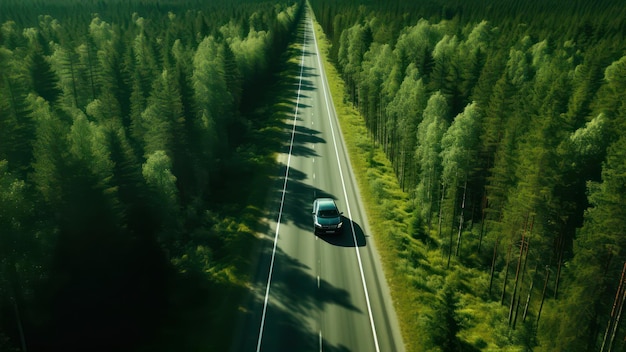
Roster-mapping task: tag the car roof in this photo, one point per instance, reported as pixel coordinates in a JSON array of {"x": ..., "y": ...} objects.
[{"x": 326, "y": 203}]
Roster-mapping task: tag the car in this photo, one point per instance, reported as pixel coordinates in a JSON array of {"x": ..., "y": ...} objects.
[{"x": 326, "y": 217}]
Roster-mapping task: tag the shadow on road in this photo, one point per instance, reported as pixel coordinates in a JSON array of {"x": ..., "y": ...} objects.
[
  {"x": 351, "y": 236},
  {"x": 294, "y": 294}
]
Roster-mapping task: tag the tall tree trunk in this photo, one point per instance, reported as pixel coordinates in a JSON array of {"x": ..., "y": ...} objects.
[
  {"x": 517, "y": 275},
  {"x": 451, "y": 235},
  {"x": 443, "y": 192},
  {"x": 506, "y": 273},
  {"x": 493, "y": 264},
  {"x": 617, "y": 321},
  {"x": 543, "y": 295},
  {"x": 559, "y": 261},
  {"x": 530, "y": 291},
  {"x": 483, "y": 228},
  {"x": 616, "y": 304},
  {"x": 523, "y": 273},
  {"x": 458, "y": 237}
]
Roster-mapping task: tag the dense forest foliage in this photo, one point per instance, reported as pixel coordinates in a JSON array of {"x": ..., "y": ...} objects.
[
  {"x": 504, "y": 122},
  {"x": 123, "y": 131}
]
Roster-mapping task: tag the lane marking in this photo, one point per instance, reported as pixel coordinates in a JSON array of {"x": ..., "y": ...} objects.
[
  {"x": 321, "y": 341},
  {"x": 345, "y": 194},
  {"x": 282, "y": 199}
]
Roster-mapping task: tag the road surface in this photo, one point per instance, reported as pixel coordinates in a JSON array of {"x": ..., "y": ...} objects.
[{"x": 317, "y": 293}]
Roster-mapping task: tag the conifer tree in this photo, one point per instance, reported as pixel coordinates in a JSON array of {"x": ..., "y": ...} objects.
[
  {"x": 376, "y": 69},
  {"x": 597, "y": 260},
  {"x": 406, "y": 109},
  {"x": 429, "y": 134},
  {"x": 445, "y": 324},
  {"x": 416, "y": 44},
  {"x": 458, "y": 155},
  {"x": 44, "y": 80},
  {"x": 445, "y": 76},
  {"x": 16, "y": 123},
  {"x": 209, "y": 82},
  {"x": 353, "y": 44},
  {"x": 163, "y": 118},
  {"x": 50, "y": 151},
  {"x": 65, "y": 63},
  {"x": 157, "y": 172}
]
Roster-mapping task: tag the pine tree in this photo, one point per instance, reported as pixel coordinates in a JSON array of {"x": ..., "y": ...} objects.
[
  {"x": 429, "y": 134},
  {"x": 376, "y": 68},
  {"x": 406, "y": 109},
  {"x": 458, "y": 155},
  {"x": 45, "y": 82},
  {"x": 444, "y": 324},
  {"x": 163, "y": 196},
  {"x": 50, "y": 151},
  {"x": 17, "y": 129},
  {"x": 354, "y": 43},
  {"x": 163, "y": 118}
]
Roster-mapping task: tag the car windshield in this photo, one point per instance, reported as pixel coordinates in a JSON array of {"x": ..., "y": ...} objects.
[{"x": 330, "y": 213}]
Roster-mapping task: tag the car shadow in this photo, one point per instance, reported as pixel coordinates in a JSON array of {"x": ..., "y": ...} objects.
[{"x": 351, "y": 236}]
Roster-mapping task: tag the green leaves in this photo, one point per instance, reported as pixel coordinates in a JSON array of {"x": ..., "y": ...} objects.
[
  {"x": 459, "y": 144},
  {"x": 209, "y": 82},
  {"x": 590, "y": 141},
  {"x": 163, "y": 117},
  {"x": 429, "y": 134},
  {"x": 158, "y": 175}
]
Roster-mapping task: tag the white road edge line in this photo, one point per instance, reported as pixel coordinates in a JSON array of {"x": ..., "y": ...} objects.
[
  {"x": 345, "y": 194},
  {"x": 321, "y": 344},
  {"x": 282, "y": 199}
]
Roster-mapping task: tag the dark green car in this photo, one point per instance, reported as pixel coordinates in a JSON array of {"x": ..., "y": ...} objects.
[{"x": 326, "y": 217}]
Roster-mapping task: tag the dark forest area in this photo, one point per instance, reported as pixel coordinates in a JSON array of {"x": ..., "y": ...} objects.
[
  {"x": 127, "y": 129},
  {"x": 504, "y": 124}
]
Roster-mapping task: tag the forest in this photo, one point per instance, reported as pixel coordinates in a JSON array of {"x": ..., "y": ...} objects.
[
  {"x": 127, "y": 128},
  {"x": 126, "y": 131},
  {"x": 504, "y": 124}
]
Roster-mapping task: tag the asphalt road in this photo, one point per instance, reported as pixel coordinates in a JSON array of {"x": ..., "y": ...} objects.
[{"x": 317, "y": 293}]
